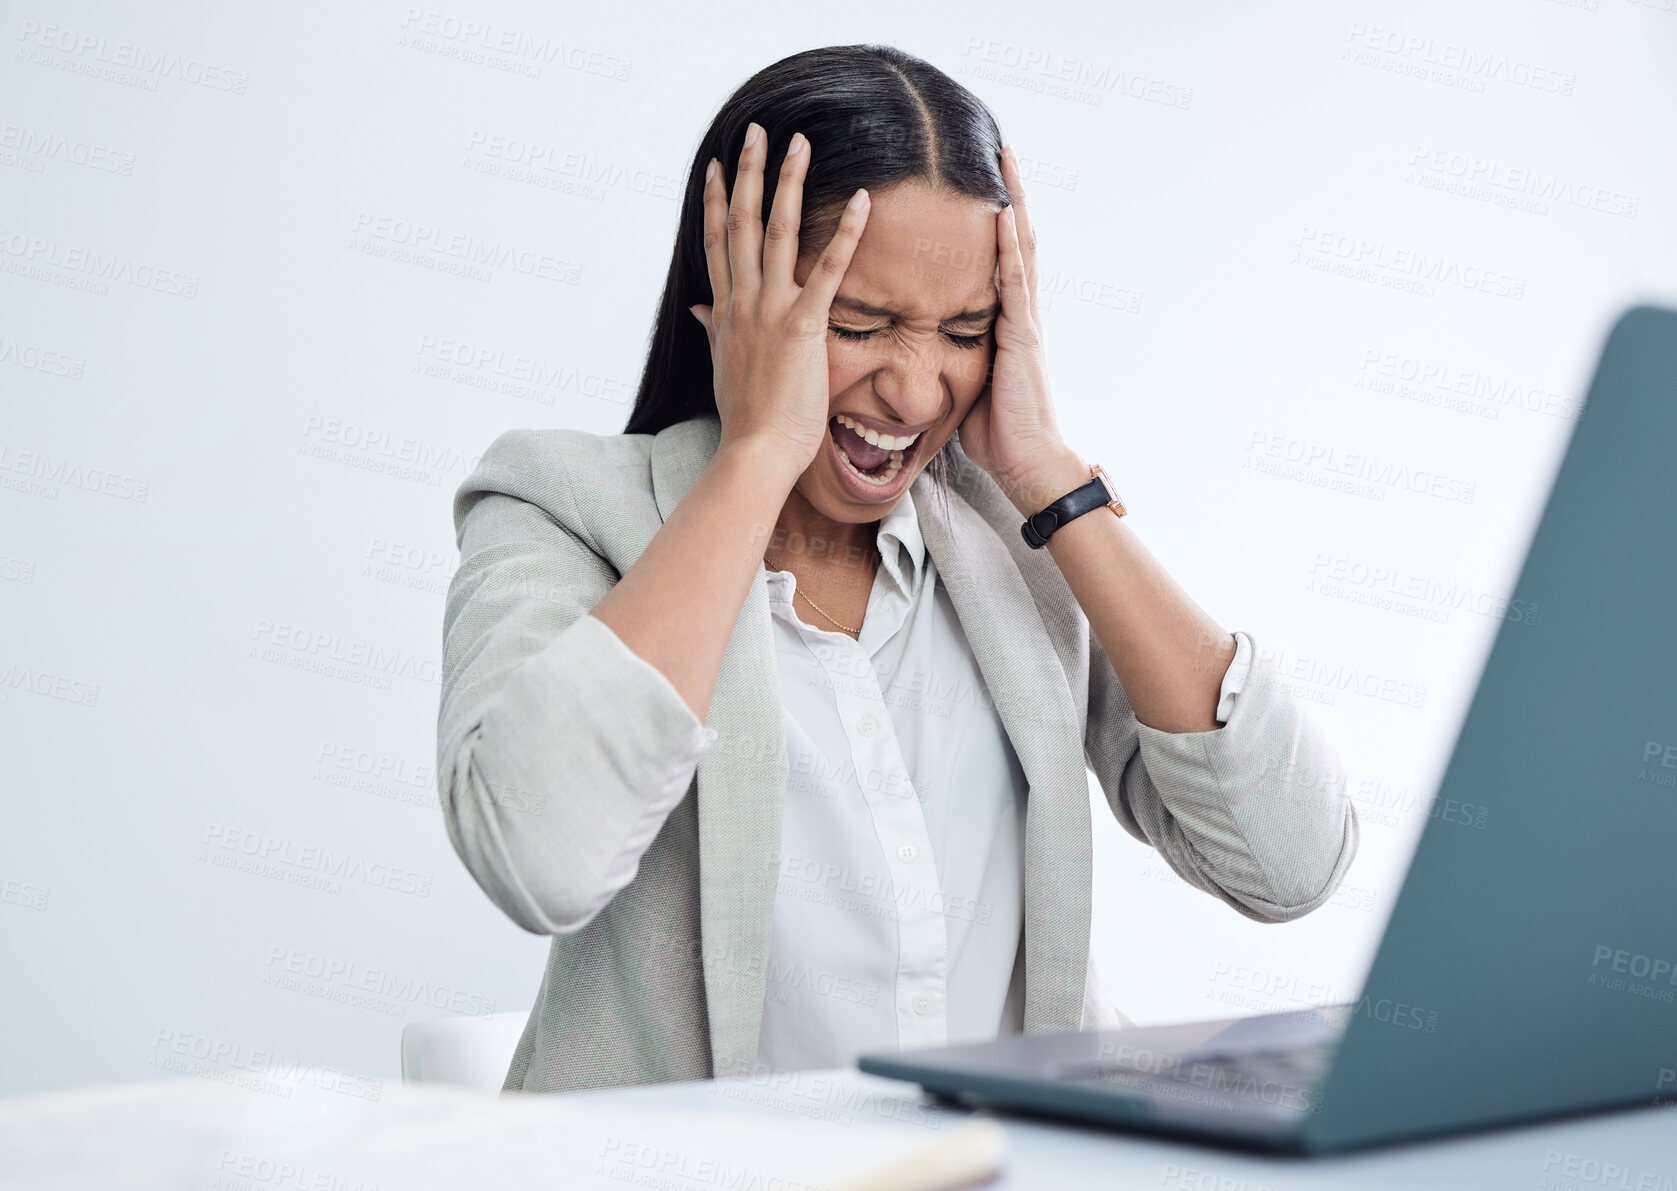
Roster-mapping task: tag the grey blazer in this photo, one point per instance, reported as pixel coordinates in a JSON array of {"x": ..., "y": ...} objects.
[{"x": 546, "y": 722}]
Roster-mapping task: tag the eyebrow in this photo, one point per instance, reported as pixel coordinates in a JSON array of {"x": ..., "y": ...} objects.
[{"x": 966, "y": 316}]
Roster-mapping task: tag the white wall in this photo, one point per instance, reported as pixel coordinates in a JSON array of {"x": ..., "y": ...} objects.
[{"x": 234, "y": 417}]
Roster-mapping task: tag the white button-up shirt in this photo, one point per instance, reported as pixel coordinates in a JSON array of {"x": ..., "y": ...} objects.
[{"x": 900, "y": 908}]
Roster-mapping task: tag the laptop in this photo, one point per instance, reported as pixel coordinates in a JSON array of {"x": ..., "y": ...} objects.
[{"x": 1529, "y": 966}]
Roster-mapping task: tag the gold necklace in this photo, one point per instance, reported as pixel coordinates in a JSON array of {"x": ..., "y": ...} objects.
[
  {"x": 800, "y": 591},
  {"x": 825, "y": 613}
]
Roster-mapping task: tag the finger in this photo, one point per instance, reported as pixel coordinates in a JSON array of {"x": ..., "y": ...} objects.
[
  {"x": 780, "y": 238},
  {"x": 745, "y": 215},
  {"x": 1027, "y": 235},
  {"x": 1010, "y": 268},
  {"x": 702, "y": 313},
  {"x": 816, "y": 299},
  {"x": 716, "y": 233}
]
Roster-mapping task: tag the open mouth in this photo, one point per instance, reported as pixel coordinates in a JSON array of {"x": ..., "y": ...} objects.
[{"x": 876, "y": 458}]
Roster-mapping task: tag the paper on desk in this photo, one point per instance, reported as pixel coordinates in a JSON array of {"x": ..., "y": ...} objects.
[{"x": 194, "y": 1133}]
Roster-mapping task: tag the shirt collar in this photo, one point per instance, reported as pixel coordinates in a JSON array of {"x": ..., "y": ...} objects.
[{"x": 902, "y": 550}]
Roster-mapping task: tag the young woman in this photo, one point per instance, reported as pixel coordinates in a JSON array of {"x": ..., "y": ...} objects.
[{"x": 772, "y": 710}]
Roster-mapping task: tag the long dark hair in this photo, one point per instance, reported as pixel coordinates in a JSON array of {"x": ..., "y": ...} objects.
[{"x": 874, "y": 116}]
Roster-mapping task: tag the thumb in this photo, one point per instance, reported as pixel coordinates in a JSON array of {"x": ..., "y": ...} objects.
[{"x": 702, "y": 313}]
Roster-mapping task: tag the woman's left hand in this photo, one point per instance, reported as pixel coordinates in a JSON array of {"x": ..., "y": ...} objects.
[{"x": 1010, "y": 431}]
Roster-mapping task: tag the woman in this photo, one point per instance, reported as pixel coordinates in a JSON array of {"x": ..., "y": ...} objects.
[{"x": 770, "y": 709}]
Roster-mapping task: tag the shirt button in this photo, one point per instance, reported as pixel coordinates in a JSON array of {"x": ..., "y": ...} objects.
[
  {"x": 867, "y": 725},
  {"x": 922, "y": 1004},
  {"x": 906, "y": 853}
]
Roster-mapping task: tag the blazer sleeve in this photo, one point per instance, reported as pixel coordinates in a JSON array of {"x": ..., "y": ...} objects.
[
  {"x": 560, "y": 751},
  {"x": 1253, "y": 812}
]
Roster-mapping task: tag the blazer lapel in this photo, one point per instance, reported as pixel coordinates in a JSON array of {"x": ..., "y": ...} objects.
[
  {"x": 740, "y": 786},
  {"x": 1028, "y": 687}
]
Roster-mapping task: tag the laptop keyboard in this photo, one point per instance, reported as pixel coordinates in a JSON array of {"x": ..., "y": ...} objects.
[
  {"x": 1256, "y": 1073},
  {"x": 1304, "y": 1066}
]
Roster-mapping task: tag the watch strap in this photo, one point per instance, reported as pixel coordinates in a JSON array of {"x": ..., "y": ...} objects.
[{"x": 1085, "y": 498}]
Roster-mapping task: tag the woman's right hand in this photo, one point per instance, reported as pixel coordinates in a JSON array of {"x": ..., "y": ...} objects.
[{"x": 768, "y": 335}]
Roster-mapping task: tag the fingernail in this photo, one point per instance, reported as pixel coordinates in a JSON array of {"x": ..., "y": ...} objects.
[
  {"x": 858, "y": 199},
  {"x": 797, "y": 145},
  {"x": 710, "y": 171},
  {"x": 751, "y": 131}
]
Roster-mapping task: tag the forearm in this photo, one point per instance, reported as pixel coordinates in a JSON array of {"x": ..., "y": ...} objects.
[
  {"x": 677, "y": 605},
  {"x": 1167, "y": 652}
]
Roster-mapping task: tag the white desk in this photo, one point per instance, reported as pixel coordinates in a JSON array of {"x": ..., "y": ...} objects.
[
  {"x": 1622, "y": 1151},
  {"x": 276, "y": 1129}
]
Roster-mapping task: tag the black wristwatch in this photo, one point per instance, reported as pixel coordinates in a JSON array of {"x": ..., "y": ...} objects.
[{"x": 1039, "y": 527}]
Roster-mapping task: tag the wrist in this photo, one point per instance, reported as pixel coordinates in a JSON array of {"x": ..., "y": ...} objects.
[
  {"x": 760, "y": 462},
  {"x": 1048, "y": 477},
  {"x": 752, "y": 486}
]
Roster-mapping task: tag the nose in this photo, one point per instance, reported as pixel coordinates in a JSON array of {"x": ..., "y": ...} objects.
[{"x": 911, "y": 380}]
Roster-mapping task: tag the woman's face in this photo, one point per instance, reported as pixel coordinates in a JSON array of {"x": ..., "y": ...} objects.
[{"x": 909, "y": 341}]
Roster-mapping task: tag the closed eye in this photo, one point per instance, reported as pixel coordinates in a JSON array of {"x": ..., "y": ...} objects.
[{"x": 969, "y": 341}]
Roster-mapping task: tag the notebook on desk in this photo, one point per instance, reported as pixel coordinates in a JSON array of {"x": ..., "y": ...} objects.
[
  {"x": 1529, "y": 968},
  {"x": 232, "y": 1128}
]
